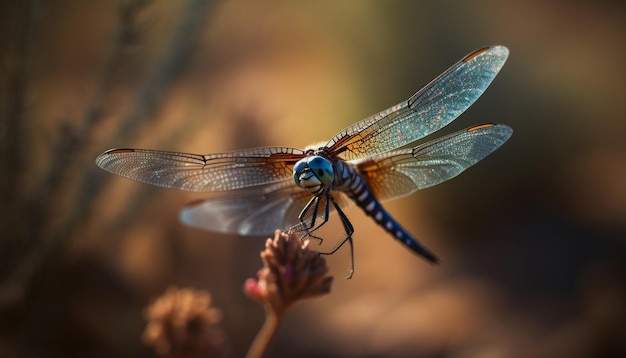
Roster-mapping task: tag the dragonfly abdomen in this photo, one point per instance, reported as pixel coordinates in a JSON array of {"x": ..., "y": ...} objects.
[{"x": 365, "y": 199}]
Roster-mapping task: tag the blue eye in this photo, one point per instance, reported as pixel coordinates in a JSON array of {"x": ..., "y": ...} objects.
[
  {"x": 300, "y": 166},
  {"x": 298, "y": 169},
  {"x": 322, "y": 169}
]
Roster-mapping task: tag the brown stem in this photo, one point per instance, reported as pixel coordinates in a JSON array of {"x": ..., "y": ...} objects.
[{"x": 265, "y": 335}]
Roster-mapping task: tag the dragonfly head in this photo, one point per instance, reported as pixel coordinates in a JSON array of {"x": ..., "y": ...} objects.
[{"x": 313, "y": 173}]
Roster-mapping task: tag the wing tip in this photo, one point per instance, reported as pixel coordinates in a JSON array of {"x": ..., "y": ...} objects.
[
  {"x": 103, "y": 158},
  {"x": 501, "y": 51},
  {"x": 118, "y": 150},
  {"x": 481, "y": 126},
  {"x": 504, "y": 127}
]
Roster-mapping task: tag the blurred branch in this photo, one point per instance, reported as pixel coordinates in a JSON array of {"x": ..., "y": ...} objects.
[
  {"x": 13, "y": 150},
  {"x": 32, "y": 233},
  {"x": 67, "y": 152},
  {"x": 168, "y": 70},
  {"x": 16, "y": 71},
  {"x": 129, "y": 34},
  {"x": 36, "y": 229}
]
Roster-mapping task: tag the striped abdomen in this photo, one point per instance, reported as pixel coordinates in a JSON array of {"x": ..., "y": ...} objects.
[{"x": 356, "y": 188}]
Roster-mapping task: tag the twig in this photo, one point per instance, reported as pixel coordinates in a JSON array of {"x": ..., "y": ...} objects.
[{"x": 265, "y": 336}]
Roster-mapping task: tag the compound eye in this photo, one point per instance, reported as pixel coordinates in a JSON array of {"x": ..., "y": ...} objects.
[
  {"x": 298, "y": 169},
  {"x": 322, "y": 169}
]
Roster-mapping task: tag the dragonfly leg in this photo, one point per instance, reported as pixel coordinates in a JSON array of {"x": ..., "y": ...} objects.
[
  {"x": 304, "y": 226},
  {"x": 324, "y": 220},
  {"x": 349, "y": 229},
  {"x": 314, "y": 200},
  {"x": 311, "y": 227}
]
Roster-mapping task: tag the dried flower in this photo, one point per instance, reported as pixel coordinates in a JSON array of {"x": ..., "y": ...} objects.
[
  {"x": 181, "y": 323},
  {"x": 291, "y": 272}
]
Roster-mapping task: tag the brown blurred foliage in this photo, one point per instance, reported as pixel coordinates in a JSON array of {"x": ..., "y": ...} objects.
[{"x": 532, "y": 240}]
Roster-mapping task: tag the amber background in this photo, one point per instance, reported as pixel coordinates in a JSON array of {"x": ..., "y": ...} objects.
[{"x": 532, "y": 239}]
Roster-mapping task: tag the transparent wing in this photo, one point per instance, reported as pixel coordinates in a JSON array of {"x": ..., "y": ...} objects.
[
  {"x": 431, "y": 108},
  {"x": 254, "y": 211},
  {"x": 193, "y": 172},
  {"x": 399, "y": 173}
]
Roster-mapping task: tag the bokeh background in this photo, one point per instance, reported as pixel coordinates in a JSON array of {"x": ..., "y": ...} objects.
[{"x": 532, "y": 239}]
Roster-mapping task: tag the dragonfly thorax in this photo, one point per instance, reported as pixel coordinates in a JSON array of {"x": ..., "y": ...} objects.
[{"x": 313, "y": 173}]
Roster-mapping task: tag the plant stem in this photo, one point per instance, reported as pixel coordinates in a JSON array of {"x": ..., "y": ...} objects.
[{"x": 265, "y": 335}]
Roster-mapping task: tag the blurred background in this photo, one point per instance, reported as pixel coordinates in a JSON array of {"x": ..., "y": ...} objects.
[{"x": 532, "y": 239}]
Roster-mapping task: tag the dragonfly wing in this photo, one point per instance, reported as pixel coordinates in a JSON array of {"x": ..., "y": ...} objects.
[
  {"x": 399, "y": 173},
  {"x": 254, "y": 211},
  {"x": 431, "y": 108},
  {"x": 193, "y": 172}
]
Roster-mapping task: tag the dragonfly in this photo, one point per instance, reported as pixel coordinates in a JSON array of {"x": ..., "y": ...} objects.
[{"x": 255, "y": 191}]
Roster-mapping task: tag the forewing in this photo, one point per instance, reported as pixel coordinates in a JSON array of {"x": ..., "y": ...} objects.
[
  {"x": 193, "y": 172},
  {"x": 431, "y": 108},
  {"x": 254, "y": 211},
  {"x": 399, "y": 173}
]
